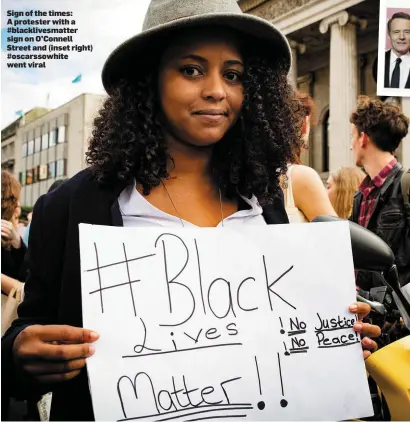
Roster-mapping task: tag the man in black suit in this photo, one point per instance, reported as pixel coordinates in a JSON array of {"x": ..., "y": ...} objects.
[{"x": 397, "y": 59}]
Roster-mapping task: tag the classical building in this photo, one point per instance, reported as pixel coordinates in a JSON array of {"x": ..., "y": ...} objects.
[
  {"x": 334, "y": 47},
  {"x": 52, "y": 146}
]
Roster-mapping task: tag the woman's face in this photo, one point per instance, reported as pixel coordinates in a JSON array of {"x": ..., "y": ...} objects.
[
  {"x": 331, "y": 189},
  {"x": 200, "y": 87}
]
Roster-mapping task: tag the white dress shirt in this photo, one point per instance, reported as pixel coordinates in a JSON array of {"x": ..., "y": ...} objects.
[
  {"x": 136, "y": 211},
  {"x": 404, "y": 67}
]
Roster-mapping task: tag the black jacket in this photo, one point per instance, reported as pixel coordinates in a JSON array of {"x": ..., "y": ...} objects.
[
  {"x": 388, "y": 221},
  {"x": 12, "y": 261},
  {"x": 53, "y": 286},
  {"x": 387, "y": 72}
]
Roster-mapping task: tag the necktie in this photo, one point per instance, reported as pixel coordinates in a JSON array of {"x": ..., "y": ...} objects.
[{"x": 395, "y": 77}]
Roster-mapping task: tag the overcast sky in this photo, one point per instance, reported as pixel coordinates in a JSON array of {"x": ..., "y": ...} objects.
[{"x": 102, "y": 23}]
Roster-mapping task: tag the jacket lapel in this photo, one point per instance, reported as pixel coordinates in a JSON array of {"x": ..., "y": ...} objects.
[
  {"x": 383, "y": 190},
  {"x": 387, "y": 69},
  {"x": 408, "y": 82},
  {"x": 116, "y": 217},
  {"x": 275, "y": 213}
]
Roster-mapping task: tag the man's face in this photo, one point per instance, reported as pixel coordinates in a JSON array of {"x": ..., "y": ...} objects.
[
  {"x": 400, "y": 35},
  {"x": 356, "y": 145}
]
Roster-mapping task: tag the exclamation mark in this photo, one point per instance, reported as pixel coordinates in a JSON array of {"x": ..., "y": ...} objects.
[
  {"x": 283, "y": 402},
  {"x": 261, "y": 404},
  {"x": 282, "y": 331},
  {"x": 286, "y": 350}
]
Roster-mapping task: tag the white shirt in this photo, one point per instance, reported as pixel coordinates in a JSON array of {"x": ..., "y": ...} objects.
[
  {"x": 136, "y": 211},
  {"x": 404, "y": 67}
]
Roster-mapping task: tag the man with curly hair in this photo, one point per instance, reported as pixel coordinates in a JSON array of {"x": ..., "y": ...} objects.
[{"x": 377, "y": 129}]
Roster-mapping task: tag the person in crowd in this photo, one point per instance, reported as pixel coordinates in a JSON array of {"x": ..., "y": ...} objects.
[
  {"x": 397, "y": 59},
  {"x": 341, "y": 187},
  {"x": 197, "y": 121},
  {"x": 12, "y": 246},
  {"x": 12, "y": 249},
  {"x": 53, "y": 186},
  {"x": 305, "y": 194},
  {"x": 377, "y": 130}
]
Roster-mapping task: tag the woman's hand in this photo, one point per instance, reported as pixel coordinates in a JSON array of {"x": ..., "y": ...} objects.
[
  {"x": 53, "y": 353},
  {"x": 366, "y": 330},
  {"x": 10, "y": 234},
  {"x": 9, "y": 283}
]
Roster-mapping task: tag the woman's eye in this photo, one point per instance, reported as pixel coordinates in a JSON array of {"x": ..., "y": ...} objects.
[
  {"x": 233, "y": 76},
  {"x": 190, "y": 71}
]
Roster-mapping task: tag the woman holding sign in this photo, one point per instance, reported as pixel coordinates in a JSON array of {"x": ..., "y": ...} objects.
[{"x": 199, "y": 117}]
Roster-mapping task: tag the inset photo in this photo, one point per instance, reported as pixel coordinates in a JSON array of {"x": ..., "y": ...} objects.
[{"x": 393, "y": 70}]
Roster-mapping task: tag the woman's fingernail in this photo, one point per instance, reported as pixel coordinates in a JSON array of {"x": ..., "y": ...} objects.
[
  {"x": 358, "y": 327},
  {"x": 353, "y": 308},
  {"x": 94, "y": 335},
  {"x": 367, "y": 341},
  {"x": 91, "y": 350}
]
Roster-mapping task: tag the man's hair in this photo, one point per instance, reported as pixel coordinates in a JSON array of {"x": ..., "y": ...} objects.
[
  {"x": 384, "y": 123},
  {"x": 398, "y": 15},
  {"x": 305, "y": 107}
]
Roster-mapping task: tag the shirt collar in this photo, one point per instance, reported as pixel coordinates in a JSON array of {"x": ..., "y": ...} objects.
[
  {"x": 132, "y": 202},
  {"x": 394, "y": 56},
  {"x": 380, "y": 178}
]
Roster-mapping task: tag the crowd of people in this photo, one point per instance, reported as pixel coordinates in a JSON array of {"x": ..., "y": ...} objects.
[{"x": 198, "y": 133}]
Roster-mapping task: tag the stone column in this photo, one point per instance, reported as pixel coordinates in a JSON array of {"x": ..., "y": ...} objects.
[
  {"x": 343, "y": 83},
  {"x": 297, "y": 48}
]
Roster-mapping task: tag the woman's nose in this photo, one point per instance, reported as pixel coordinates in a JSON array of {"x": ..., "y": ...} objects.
[{"x": 214, "y": 88}]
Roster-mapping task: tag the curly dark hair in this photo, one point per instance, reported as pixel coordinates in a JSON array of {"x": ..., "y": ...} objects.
[
  {"x": 383, "y": 122},
  {"x": 128, "y": 142}
]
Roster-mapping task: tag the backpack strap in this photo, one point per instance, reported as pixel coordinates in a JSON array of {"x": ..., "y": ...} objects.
[{"x": 405, "y": 190}]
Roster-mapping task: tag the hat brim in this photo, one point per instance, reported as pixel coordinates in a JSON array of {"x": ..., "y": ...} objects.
[{"x": 133, "y": 53}]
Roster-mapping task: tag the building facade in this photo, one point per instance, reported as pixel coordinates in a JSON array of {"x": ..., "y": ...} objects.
[
  {"x": 9, "y": 135},
  {"x": 53, "y": 146},
  {"x": 334, "y": 47}
]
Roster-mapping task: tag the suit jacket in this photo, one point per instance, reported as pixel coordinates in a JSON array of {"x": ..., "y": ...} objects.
[
  {"x": 53, "y": 286},
  {"x": 387, "y": 72}
]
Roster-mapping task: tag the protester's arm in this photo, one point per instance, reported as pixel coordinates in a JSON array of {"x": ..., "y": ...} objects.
[
  {"x": 309, "y": 193},
  {"x": 38, "y": 306},
  {"x": 37, "y": 352}
]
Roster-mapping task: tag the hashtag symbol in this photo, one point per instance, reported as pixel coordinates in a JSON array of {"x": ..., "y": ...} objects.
[
  {"x": 8, "y": 29},
  {"x": 9, "y": 56}
]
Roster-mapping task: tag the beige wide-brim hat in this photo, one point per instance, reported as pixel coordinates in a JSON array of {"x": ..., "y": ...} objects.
[{"x": 165, "y": 17}]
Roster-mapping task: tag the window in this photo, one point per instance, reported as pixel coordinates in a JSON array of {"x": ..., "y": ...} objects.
[
  {"x": 23, "y": 177},
  {"x": 35, "y": 174},
  {"x": 52, "y": 170},
  {"x": 29, "y": 177},
  {"x": 37, "y": 144},
  {"x": 44, "y": 141},
  {"x": 30, "y": 147},
  {"x": 61, "y": 134},
  {"x": 42, "y": 172},
  {"x": 53, "y": 138},
  {"x": 61, "y": 168},
  {"x": 24, "y": 150}
]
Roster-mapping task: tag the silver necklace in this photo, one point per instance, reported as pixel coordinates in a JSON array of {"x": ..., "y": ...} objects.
[{"x": 176, "y": 211}]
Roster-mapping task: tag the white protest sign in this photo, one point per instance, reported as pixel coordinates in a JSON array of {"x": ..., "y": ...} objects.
[{"x": 218, "y": 323}]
